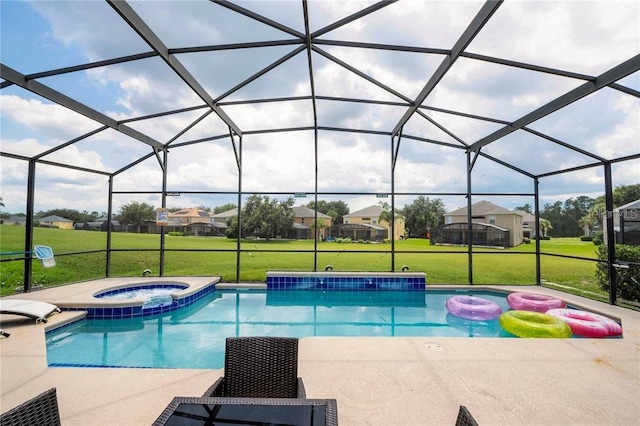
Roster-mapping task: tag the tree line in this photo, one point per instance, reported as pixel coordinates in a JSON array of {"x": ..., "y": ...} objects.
[{"x": 269, "y": 218}]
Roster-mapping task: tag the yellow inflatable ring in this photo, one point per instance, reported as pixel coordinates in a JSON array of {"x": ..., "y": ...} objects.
[{"x": 533, "y": 324}]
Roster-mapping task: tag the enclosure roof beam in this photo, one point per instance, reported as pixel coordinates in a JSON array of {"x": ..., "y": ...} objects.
[
  {"x": 40, "y": 89},
  {"x": 382, "y": 46},
  {"x": 360, "y": 73},
  {"x": 614, "y": 74},
  {"x": 353, "y": 17},
  {"x": 255, "y": 16},
  {"x": 140, "y": 26},
  {"x": 483, "y": 16},
  {"x": 83, "y": 67}
]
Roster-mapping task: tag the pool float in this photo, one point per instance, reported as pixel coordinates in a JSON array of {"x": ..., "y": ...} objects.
[
  {"x": 473, "y": 308},
  {"x": 533, "y": 324},
  {"x": 470, "y": 328},
  {"x": 587, "y": 324},
  {"x": 534, "y": 302}
]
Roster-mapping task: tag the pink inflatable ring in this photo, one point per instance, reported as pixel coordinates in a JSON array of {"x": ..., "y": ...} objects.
[
  {"x": 587, "y": 324},
  {"x": 534, "y": 302},
  {"x": 473, "y": 308}
]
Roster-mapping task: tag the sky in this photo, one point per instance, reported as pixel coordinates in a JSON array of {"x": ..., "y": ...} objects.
[{"x": 586, "y": 37}]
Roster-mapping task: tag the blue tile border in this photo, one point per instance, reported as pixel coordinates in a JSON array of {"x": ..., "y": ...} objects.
[{"x": 346, "y": 282}]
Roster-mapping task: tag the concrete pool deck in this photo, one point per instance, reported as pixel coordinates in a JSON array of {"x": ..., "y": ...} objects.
[{"x": 375, "y": 380}]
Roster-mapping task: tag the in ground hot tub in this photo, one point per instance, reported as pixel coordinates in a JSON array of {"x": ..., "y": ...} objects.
[{"x": 142, "y": 299}]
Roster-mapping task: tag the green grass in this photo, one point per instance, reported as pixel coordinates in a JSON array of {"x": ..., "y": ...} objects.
[{"x": 192, "y": 256}]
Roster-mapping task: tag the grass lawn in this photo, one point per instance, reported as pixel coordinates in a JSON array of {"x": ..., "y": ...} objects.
[{"x": 133, "y": 253}]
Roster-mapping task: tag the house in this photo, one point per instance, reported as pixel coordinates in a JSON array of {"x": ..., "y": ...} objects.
[
  {"x": 223, "y": 217},
  {"x": 492, "y": 225},
  {"x": 529, "y": 229},
  {"x": 304, "y": 221},
  {"x": 188, "y": 216},
  {"x": 366, "y": 225},
  {"x": 56, "y": 222},
  {"x": 100, "y": 224},
  {"x": 626, "y": 224},
  {"x": 16, "y": 220},
  {"x": 191, "y": 221}
]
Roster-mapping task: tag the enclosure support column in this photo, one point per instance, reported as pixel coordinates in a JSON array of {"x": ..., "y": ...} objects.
[
  {"x": 107, "y": 271},
  {"x": 164, "y": 205},
  {"x": 315, "y": 199},
  {"x": 469, "y": 217},
  {"x": 536, "y": 203},
  {"x": 393, "y": 197},
  {"x": 239, "y": 159},
  {"x": 28, "y": 237},
  {"x": 611, "y": 235}
]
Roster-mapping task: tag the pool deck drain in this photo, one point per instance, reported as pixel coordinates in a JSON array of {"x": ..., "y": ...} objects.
[{"x": 376, "y": 380}]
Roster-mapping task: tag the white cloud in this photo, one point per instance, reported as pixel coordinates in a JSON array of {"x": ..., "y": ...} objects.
[{"x": 587, "y": 37}]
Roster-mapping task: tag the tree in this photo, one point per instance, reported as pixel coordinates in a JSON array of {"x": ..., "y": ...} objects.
[
  {"x": 545, "y": 227},
  {"x": 423, "y": 215},
  {"x": 624, "y": 194},
  {"x": 319, "y": 225},
  {"x": 587, "y": 223},
  {"x": 526, "y": 208},
  {"x": 572, "y": 212},
  {"x": 224, "y": 208},
  {"x": 552, "y": 213},
  {"x": 266, "y": 218},
  {"x": 385, "y": 214},
  {"x": 135, "y": 214},
  {"x": 335, "y": 209}
]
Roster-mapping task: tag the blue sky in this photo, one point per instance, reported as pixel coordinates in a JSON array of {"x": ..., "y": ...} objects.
[{"x": 583, "y": 37}]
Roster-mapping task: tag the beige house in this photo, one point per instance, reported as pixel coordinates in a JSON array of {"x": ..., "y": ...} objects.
[
  {"x": 492, "y": 226},
  {"x": 189, "y": 216},
  {"x": 367, "y": 223},
  {"x": 304, "y": 221},
  {"x": 57, "y": 221},
  {"x": 528, "y": 224}
]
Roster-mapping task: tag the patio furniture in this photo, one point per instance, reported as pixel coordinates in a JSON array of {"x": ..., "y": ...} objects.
[
  {"x": 465, "y": 418},
  {"x": 249, "y": 411},
  {"x": 41, "y": 410},
  {"x": 259, "y": 367},
  {"x": 28, "y": 308}
]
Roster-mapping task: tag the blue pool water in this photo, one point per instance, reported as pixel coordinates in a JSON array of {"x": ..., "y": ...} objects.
[{"x": 193, "y": 336}]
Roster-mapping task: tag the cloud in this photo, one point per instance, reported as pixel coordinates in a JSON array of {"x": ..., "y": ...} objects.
[{"x": 586, "y": 37}]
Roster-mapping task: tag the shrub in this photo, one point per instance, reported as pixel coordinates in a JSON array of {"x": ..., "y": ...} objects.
[
  {"x": 585, "y": 238},
  {"x": 627, "y": 280},
  {"x": 598, "y": 238},
  {"x": 175, "y": 234}
]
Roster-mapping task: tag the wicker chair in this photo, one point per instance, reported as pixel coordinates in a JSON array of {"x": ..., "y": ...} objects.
[
  {"x": 41, "y": 410},
  {"x": 465, "y": 418},
  {"x": 260, "y": 367}
]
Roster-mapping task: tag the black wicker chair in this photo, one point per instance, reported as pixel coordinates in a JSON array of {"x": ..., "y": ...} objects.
[
  {"x": 41, "y": 410},
  {"x": 465, "y": 418},
  {"x": 260, "y": 367}
]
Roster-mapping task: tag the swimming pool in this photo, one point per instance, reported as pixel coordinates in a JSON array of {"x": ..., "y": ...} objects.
[{"x": 193, "y": 336}]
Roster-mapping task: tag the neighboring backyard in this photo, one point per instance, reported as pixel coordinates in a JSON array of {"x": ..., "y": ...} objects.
[{"x": 134, "y": 253}]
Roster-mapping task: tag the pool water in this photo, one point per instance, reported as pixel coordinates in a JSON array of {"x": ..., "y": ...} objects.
[
  {"x": 150, "y": 296},
  {"x": 194, "y": 336}
]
